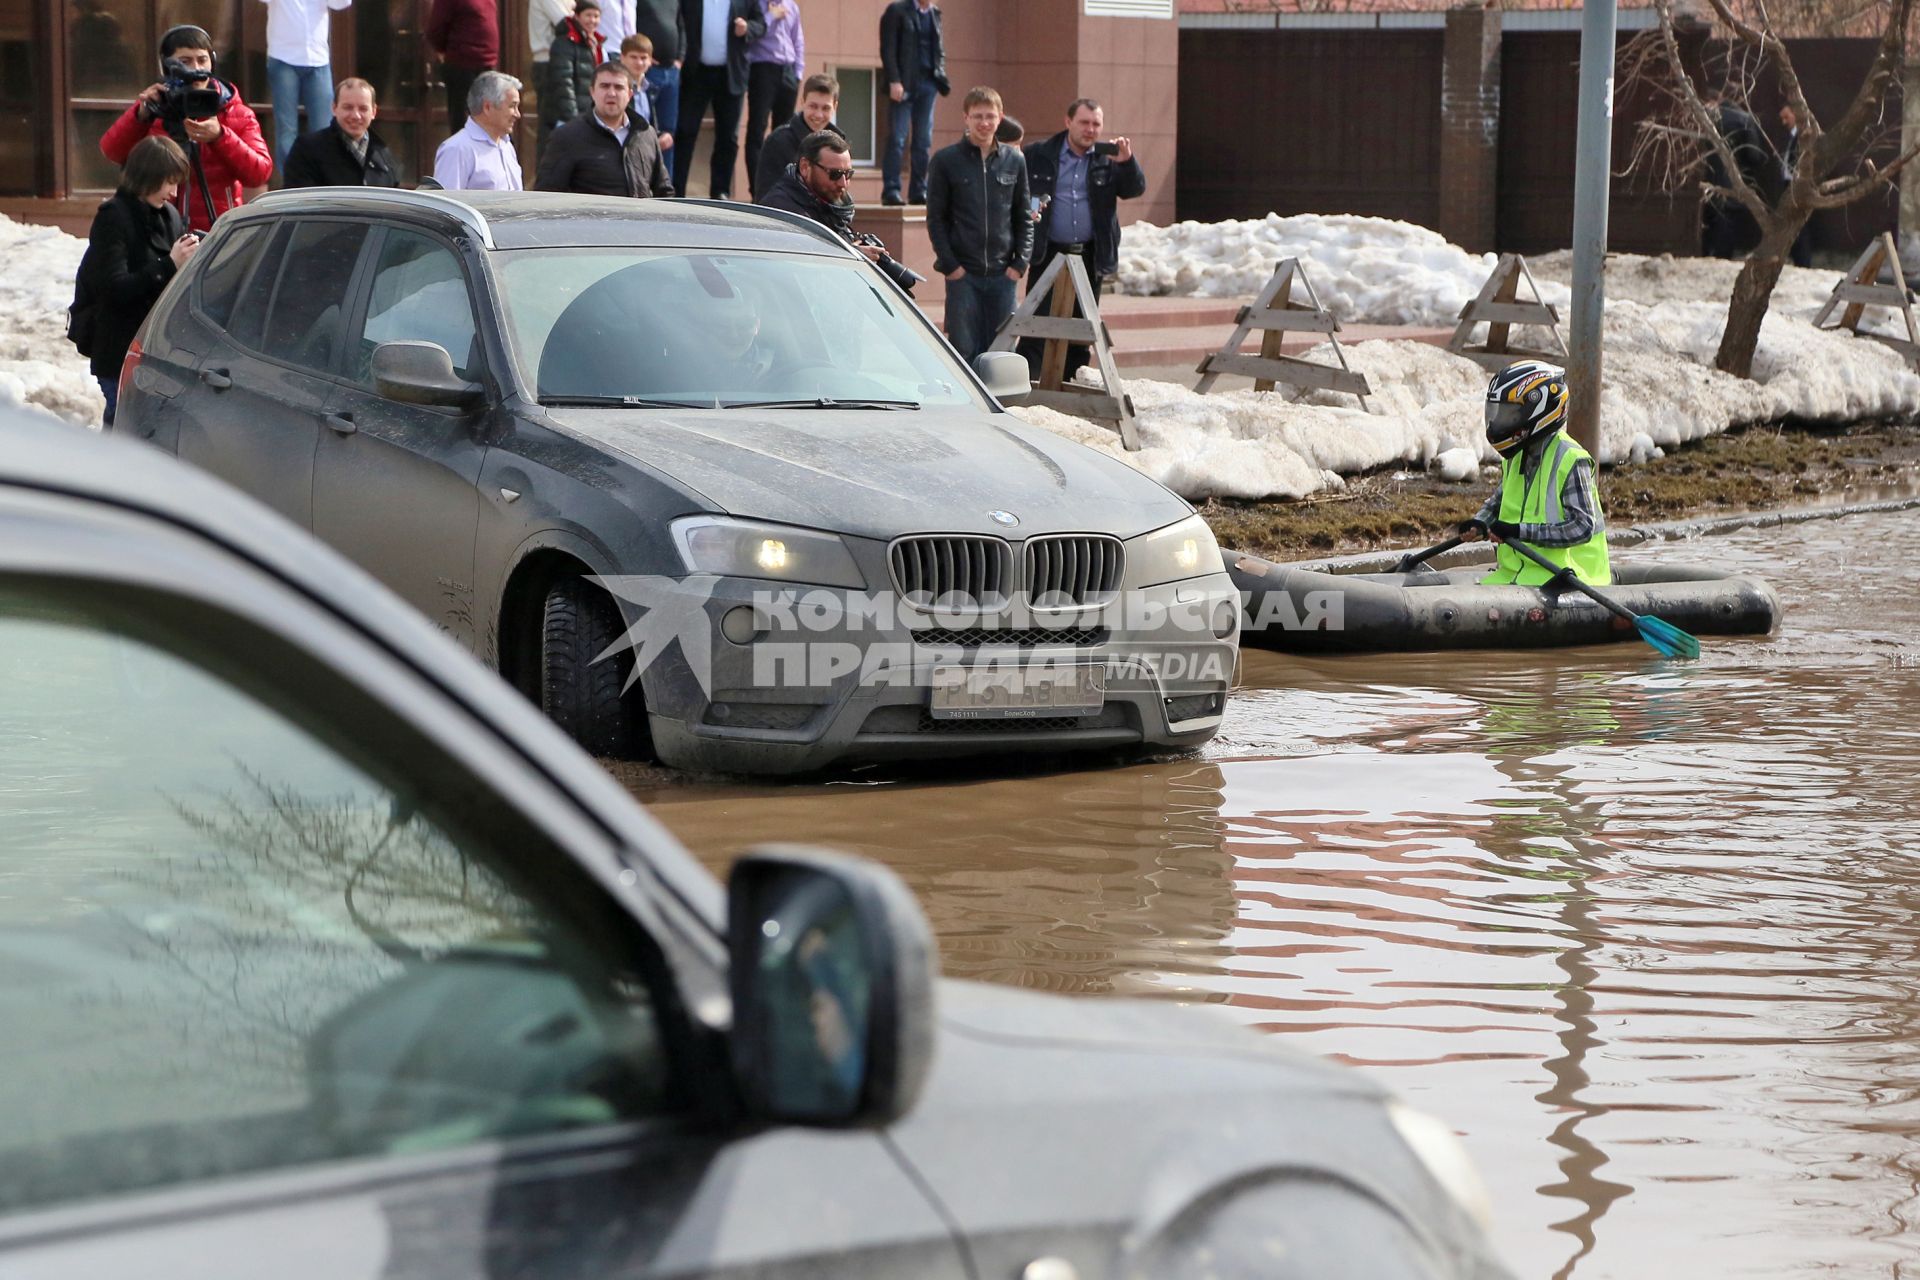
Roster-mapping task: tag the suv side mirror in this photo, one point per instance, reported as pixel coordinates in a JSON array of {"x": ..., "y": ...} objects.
[
  {"x": 1005, "y": 373},
  {"x": 421, "y": 373},
  {"x": 832, "y": 981}
]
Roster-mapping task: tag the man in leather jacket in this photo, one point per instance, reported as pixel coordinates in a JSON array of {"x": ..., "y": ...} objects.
[{"x": 980, "y": 225}]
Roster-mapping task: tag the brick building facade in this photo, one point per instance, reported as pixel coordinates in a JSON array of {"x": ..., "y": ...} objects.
[{"x": 67, "y": 67}]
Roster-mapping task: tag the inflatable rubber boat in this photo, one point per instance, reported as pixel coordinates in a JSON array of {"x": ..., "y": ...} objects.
[{"x": 1309, "y": 611}]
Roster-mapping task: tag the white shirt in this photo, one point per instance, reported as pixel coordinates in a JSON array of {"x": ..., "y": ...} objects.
[
  {"x": 616, "y": 24},
  {"x": 716, "y": 21},
  {"x": 475, "y": 160},
  {"x": 620, "y": 133},
  {"x": 542, "y": 17},
  {"x": 297, "y": 31}
]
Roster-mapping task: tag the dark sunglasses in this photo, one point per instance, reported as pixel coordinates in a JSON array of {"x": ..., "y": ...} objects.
[{"x": 836, "y": 175}]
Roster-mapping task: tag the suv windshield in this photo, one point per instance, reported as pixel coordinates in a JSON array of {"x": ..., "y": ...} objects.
[{"x": 719, "y": 330}]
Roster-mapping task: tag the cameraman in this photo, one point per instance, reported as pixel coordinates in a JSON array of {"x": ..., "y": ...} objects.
[
  {"x": 815, "y": 186},
  {"x": 204, "y": 114}
]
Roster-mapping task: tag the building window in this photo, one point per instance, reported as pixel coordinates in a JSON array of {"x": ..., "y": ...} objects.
[{"x": 860, "y": 111}]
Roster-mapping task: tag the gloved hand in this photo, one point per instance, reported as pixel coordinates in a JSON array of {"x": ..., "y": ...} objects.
[
  {"x": 1471, "y": 530},
  {"x": 1503, "y": 530}
]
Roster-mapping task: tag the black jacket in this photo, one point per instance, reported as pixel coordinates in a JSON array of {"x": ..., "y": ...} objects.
[
  {"x": 127, "y": 264},
  {"x": 1748, "y": 144},
  {"x": 692, "y": 15},
  {"x": 977, "y": 214},
  {"x": 789, "y": 193},
  {"x": 323, "y": 159},
  {"x": 570, "y": 65},
  {"x": 585, "y": 158},
  {"x": 662, "y": 22},
  {"x": 900, "y": 47},
  {"x": 781, "y": 149},
  {"x": 1108, "y": 183}
]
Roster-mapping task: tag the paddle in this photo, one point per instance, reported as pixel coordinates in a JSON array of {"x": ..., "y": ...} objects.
[
  {"x": 1664, "y": 636},
  {"x": 1412, "y": 560}
]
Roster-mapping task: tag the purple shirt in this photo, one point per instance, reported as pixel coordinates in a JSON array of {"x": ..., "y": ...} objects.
[
  {"x": 784, "y": 42},
  {"x": 471, "y": 160}
]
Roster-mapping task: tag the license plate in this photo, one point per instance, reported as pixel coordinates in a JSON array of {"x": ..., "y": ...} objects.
[{"x": 1018, "y": 693}]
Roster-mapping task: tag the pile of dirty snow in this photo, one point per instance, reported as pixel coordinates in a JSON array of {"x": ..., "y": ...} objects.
[
  {"x": 1366, "y": 270},
  {"x": 1664, "y": 318},
  {"x": 1659, "y": 389},
  {"x": 1633, "y": 277},
  {"x": 38, "y": 366}
]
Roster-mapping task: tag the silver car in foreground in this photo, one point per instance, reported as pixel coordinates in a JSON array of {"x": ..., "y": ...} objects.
[
  {"x": 694, "y": 477},
  {"x": 323, "y": 955}
]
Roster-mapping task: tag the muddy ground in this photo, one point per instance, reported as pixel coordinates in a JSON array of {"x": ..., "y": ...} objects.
[{"x": 1756, "y": 468}]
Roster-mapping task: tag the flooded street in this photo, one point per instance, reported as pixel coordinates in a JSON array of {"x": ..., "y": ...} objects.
[{"x": 1646, "y": 933}]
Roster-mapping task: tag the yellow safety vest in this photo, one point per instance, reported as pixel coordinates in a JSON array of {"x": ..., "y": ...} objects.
[{"x": 1538, "y": 502}]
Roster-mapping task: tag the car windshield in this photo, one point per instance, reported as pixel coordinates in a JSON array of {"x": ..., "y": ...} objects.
[{"x": 712, "y": 330}]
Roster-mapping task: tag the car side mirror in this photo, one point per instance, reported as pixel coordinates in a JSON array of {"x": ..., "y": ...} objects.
[
  {"x": 1005, "y": 373},
  {"x": 832, "y": 973},
  {"x": 421, "y": 373}
]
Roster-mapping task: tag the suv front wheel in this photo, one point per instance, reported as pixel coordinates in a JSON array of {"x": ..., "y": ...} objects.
[{"x": 580, "y": 691}]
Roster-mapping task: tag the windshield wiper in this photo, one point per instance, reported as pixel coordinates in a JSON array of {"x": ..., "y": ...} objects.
[
  {"x": 632, "y": 402},
  {"x": 819, "y": 402}
]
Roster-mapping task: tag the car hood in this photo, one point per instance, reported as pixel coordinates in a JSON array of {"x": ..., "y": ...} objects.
[
  {"x": 878, "y": 474},
  {"x": 1091, "y": 1127}
]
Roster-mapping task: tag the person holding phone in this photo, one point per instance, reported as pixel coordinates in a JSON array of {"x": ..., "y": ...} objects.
[
  {"x": 138, "y": 241},
  {"x": 1077, "y": 180}
]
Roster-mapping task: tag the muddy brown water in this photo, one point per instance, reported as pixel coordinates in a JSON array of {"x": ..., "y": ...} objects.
[{"x": 1646, "y": 933}]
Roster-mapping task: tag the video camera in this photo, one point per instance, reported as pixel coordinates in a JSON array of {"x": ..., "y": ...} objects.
[{"x": 187, "y": 94}]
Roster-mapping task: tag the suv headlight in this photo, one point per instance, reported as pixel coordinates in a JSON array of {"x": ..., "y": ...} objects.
[
  {"x": 1183, "y": 550},
  {"x": 748, "y": 549},
  {"x": 1445, "y": 1158}
]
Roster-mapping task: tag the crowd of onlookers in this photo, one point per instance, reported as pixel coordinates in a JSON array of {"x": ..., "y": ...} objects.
[{"x": 624, "y": 87}]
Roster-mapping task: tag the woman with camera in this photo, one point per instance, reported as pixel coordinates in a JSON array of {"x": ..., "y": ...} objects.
[
  {"x": 205, "y": 116},
  {"x": 137, "y": 243}
]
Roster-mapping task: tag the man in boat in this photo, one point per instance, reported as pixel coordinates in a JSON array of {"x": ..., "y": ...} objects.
[{"x": 1549, "y": 494}]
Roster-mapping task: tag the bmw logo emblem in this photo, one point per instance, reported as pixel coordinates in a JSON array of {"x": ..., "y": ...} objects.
[{"x": 1005, "y": 519}]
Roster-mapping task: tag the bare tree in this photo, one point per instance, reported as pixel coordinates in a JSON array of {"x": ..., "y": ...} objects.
[{"x": 1829, "y": 167}]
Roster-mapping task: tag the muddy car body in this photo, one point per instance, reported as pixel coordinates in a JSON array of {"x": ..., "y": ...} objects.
[{"x": 495, "y": 403}]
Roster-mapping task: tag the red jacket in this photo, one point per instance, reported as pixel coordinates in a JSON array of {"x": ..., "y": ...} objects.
[
  {"x": 465, "y": 33},
  {"x": 237, "y": 158}
]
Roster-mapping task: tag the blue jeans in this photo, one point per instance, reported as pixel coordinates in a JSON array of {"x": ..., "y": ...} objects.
[
  {"x": 110, "y": 388},
  {"x": 916, "y": 109},
  {"x": 976, "y": 307},
  {"x": 666, "y": 80},
  {"x": 291, "y": 88}
]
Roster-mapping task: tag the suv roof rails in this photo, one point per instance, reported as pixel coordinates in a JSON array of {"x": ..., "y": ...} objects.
[{"x": 438, "y": 201}]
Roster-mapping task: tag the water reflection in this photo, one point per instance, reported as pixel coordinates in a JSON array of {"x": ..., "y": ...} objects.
[
  {"x": 225, "y": 947},
  {"x": 1645, "y": 932},
  {"x": 1081, "y": 882}
]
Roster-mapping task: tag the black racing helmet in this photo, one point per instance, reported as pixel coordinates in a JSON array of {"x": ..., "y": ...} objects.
[{"x": 1525, "y": 400}]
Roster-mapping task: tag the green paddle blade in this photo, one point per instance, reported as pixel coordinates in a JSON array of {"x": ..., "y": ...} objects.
[{"x": 1667, "y": 638}]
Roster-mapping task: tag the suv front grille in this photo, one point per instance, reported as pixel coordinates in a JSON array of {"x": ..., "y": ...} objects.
[
  {"x": 1073, "y": 569},
  {"x": 958, "y": 571},
  {"x": 1023, "y": 637}
]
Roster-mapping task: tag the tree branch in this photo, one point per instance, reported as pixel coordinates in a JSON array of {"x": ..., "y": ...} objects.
[
  {"x": 1844, "y": 191},
  {"x": 1705, "y": 119}
]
